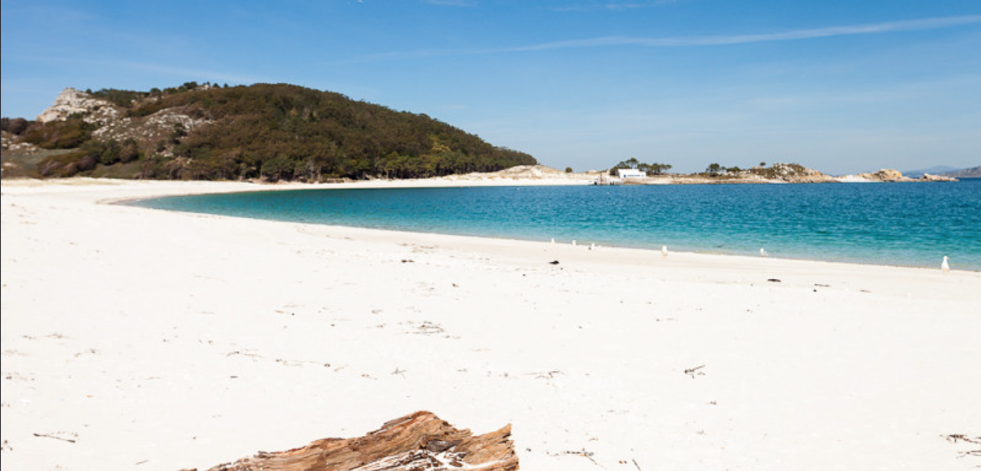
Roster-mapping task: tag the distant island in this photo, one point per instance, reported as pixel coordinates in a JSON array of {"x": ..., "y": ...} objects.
[
  {"x": 632, "y": 171},
  {"x": 935, "y": 170},
  {"x": 259, "y": 132}
]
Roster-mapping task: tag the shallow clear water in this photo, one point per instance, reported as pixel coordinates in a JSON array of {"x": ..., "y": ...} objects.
[{"x": 908, "y": 224}]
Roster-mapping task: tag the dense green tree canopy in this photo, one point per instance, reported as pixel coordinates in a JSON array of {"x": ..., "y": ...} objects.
[{"x": 275, "y": 132}]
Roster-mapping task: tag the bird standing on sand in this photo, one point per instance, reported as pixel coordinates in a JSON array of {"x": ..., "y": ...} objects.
[
  {"x": 944, "y": 266},
  {"x": 664, "y": 251},
  {"x": 763, "y": 253}
]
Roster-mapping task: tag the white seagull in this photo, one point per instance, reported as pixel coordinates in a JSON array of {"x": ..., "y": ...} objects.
[
  {"x": 944, "y": 266},
  {"x": 763, "y": 253},
  {"x": 664, "y": 251}
]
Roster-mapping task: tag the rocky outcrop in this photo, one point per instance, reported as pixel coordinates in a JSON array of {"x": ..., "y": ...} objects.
[
  {"x": 889, "y": 176},
  {"x": 414, "y": 442},
  {"x": 114, "y": 125},
  {"x": 794, "y": 173},
  {"x": 936, "y": 178},
  {"x": 885, "y": 175},
  {"x": 777, "y": 173},
  {"x": 73, "y": 102},
  {"x": 154, "y": 128},
  {"x": 10, "y": 143}
]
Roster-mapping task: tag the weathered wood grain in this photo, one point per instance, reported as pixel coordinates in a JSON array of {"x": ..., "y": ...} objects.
[{"x": 420, "y": 441}]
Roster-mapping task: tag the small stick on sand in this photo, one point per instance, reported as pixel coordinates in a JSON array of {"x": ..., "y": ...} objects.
[
  {"x": 585, "y": 454},
  {"x": 694, "y": 371},
  {"x": 41, "y": 435}
]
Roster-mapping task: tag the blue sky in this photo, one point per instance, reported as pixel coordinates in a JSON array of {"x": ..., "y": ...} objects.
[{"x": 840, "y": 86}]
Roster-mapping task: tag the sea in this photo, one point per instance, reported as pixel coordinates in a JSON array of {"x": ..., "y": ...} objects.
[{"x": 898, "y": 224}]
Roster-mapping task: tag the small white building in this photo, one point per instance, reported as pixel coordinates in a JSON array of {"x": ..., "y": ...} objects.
[{"x": 631, "y": 173}]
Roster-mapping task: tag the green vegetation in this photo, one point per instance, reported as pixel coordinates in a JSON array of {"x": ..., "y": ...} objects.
[
  {"x": 651, "y": 169},
  {"x": 272, "y": 132},
  {"x": 778, "y": 171},
  {"x": 15, "y": 126},
  {"x": 67, "y": 134},
  {"x": 20, "y": 164},
  {"x": 715, "y": 170},
  {"x": 121, "y": 98},
  {"x": 66, "y": 165},
  {"x": 125, "y": 98}
]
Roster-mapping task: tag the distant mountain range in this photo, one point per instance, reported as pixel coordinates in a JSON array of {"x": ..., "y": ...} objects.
[
  {"x": 974, "y": 172},
  {"x": 946, "y": 171}
]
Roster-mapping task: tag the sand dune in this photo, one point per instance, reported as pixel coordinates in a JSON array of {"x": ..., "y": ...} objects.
[{"x": 141, "y": 339}]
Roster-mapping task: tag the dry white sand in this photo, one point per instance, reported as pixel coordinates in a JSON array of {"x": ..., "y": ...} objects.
[{"x": 148, "y": 340}]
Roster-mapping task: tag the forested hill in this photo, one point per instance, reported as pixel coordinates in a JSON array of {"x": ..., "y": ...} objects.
[{"x": 271, "y": 132}]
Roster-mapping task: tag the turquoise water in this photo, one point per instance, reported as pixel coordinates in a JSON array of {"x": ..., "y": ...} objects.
[{"x": 906, "y": 224}]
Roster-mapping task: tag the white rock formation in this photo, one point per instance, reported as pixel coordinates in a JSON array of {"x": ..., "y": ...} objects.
[
  {"x": 71, "y": 101},
  {"x": 10, "y": 143},
  {"x": 110, "y": 120},
  {"x": 150, "y": 129}
]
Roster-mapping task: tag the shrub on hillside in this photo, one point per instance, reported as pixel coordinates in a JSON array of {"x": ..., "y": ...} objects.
[
  {"x": 67, "y": 134},
  {"x": 66, "y": 165},
  {"x": 14, "y": 126}
]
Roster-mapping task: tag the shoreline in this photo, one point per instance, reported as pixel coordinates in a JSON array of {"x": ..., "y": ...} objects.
[
  {"x": 168, "y": 340},
  {"x": 193, "y": 188},
  {"x": 136, "y": 190},
  {"x": 243, "y": 187}
]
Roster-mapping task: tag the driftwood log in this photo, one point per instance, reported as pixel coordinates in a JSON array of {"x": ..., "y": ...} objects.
[{"x": 416, "y": 442}]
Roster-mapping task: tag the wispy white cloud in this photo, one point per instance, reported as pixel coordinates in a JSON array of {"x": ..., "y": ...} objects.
[
  {"x": 701, "y": 41},
  {"x": 793, "y": 35}
]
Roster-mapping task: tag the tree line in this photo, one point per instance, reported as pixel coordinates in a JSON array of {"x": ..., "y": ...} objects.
[
  {"x": 650, "y": 169},
  {"x": 655, "y": 168}
]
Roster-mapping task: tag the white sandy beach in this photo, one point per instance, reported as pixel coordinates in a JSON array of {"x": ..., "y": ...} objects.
[{"x": 135, "y": 339}]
